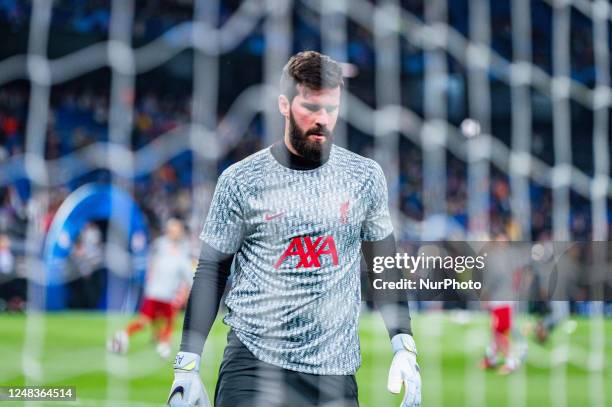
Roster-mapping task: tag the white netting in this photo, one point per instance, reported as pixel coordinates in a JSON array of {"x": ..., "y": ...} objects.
[{"x": 454, "y": 56}]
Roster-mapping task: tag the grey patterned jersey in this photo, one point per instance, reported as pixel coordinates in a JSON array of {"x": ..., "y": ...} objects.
[{"x": 295, "y": 294}]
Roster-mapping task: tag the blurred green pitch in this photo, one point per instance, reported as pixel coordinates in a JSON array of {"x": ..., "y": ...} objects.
[{"x": 74, "y": 354}]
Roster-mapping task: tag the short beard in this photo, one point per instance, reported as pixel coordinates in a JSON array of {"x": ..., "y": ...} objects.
[{"x": 310, "y": 150}]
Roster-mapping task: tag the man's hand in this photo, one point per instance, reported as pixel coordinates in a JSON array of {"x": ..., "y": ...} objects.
[
  {"x": 187, "y": 389},
  {"x": 405, "y": 370}
]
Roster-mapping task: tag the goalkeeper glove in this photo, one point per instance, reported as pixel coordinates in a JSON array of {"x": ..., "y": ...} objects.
[
  {"x": 187, "y": 388},
  {"x": 405, "y": 370}
]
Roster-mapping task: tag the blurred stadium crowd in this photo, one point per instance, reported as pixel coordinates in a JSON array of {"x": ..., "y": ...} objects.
[
  {"x": 153, "y": 18},
  {"x": 79, "y": 114}
]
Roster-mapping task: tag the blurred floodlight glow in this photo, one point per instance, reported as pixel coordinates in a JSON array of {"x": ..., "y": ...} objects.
[{"x": 470, "y": 128}]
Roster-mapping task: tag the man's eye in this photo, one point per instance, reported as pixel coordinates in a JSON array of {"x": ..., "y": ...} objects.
[{"x": 331, "y": 109}]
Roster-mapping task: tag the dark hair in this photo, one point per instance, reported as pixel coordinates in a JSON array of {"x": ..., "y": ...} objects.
[{"x": 311, "y": 69}]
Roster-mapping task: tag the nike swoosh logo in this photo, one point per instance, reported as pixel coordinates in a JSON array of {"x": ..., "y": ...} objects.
[
  {"x": 270, "y": 217},
  {"x": 177, "y": 390}
]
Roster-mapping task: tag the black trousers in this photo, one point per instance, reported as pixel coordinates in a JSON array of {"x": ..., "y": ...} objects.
[{"x": 245, "y": 381}]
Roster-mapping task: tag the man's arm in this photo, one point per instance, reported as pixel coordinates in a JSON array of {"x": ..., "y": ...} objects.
[
  {"x": 404, "y": 371},
  {"x": 209, "y": 282},
  {"x": 393, "y": 306},
  {"x": 222, "y": 236}
]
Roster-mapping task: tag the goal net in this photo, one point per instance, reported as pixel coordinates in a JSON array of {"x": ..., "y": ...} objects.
[{"x": 488, "y": 119}]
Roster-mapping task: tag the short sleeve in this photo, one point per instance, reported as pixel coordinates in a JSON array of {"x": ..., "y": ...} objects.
[
  {"x": 377, "y": 224},
  {"x": 224, "y": 226}
]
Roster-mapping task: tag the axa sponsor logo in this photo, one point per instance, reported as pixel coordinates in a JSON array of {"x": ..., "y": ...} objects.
[{"x": 309, "y": 251}]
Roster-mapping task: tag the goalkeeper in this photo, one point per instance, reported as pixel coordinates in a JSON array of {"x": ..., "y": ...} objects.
[{"x": 293, "y": 219}]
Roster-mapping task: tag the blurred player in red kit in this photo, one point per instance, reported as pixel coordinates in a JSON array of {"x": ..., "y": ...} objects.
[
  {"x": 507, "y": 348},
  {"x": 167, "y": 285}
]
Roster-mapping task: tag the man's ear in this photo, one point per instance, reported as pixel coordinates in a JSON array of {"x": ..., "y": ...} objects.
[{"x": 284, "y": 106}]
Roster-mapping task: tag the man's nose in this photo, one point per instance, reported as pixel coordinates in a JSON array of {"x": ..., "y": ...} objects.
[{"x": 322, "y": 118}]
